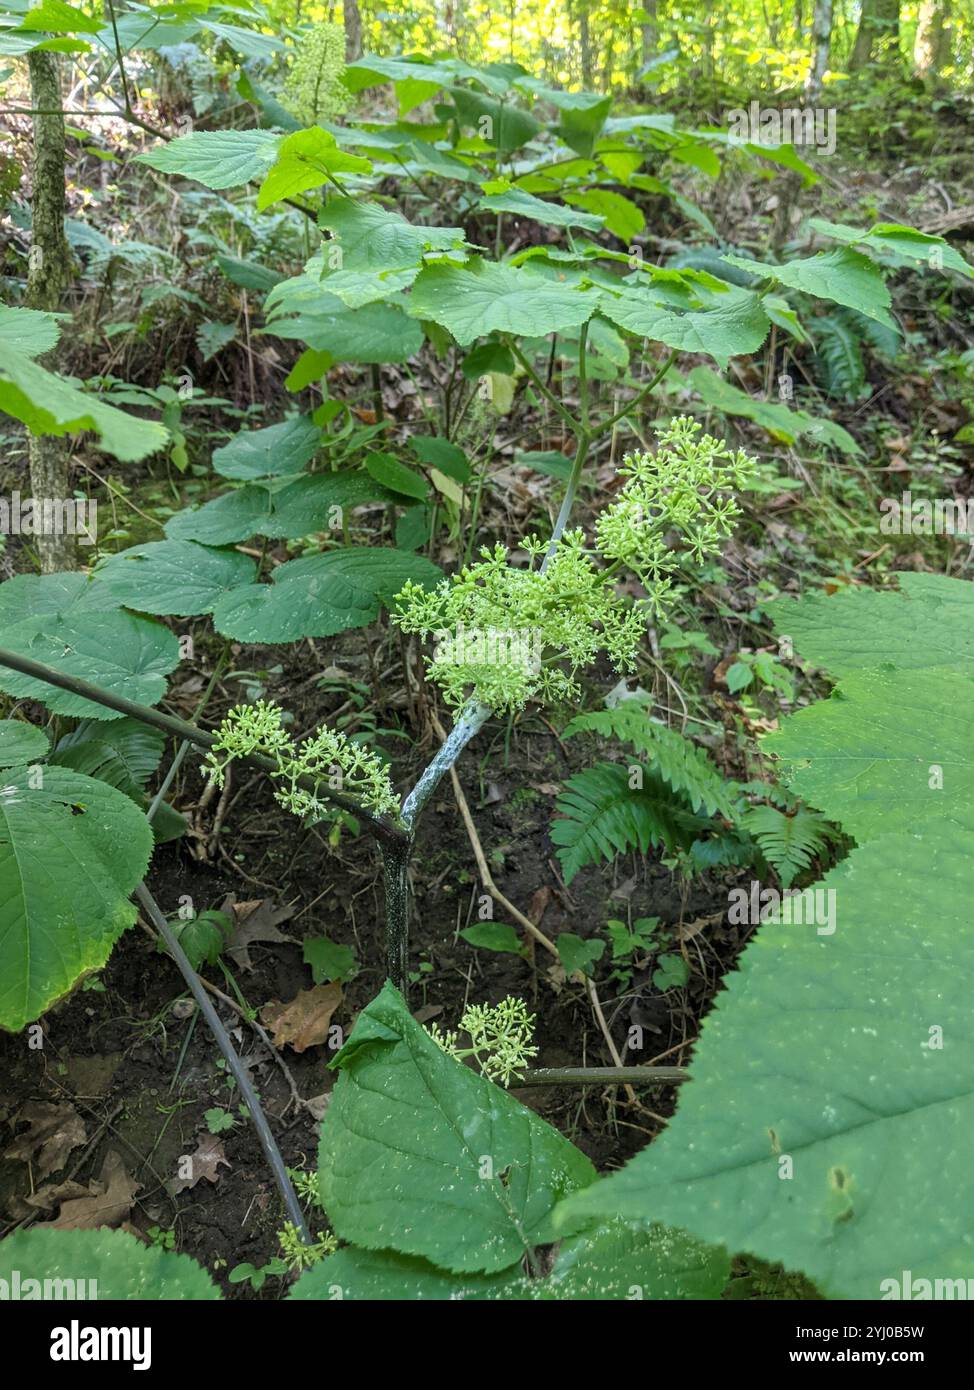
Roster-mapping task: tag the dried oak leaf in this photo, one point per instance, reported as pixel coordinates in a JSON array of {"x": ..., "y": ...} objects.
[
  {"x": 254, "y": 921},
  {"x": 305, "y": 1021},
  {"x": 54, "y": 1131},
  {"x": 204, "y": 1163},
  {"x": 108, "y": 1203}
]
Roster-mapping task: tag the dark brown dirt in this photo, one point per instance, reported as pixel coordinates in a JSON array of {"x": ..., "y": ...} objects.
[{"x": 142, "y": 1070}]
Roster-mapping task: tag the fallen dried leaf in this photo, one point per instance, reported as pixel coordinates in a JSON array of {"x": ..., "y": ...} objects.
[
  {"x": 204, "y": 1163},
  {"x": 304, "y": 1022},
  {"x": 317, "y": 1105},
  {"x": 108, "y": 1203},
  {"x": 686, "y": 931},
  {"x": 54, "y": 1131},
  {"x": 255, "y": 921}
]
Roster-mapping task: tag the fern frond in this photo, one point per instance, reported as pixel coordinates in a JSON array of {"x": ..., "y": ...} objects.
[
  {"x": 788, "y": 842},
  {"x": 680, "y": 763},
  {"x": 603, "y": 816},
  {"x": 838, "y": 358}
]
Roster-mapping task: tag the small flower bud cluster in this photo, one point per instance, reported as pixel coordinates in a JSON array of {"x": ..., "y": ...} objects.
[
  {"x": 500, "y": 1038},
  {"x": 686, "y": 488},
  {"x": 326, "y": 757}
]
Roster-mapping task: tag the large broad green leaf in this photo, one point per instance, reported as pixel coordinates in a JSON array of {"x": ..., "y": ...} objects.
[
  {"x": 274, "y": 452},
  {"x": 321, "y": 595},
  {"x": 319, "y": 286},
  {"x": 890, "y": 750},
  {"x": 582, "y": 114},
  {"x": 71, "y": 851},
  {"x": 621, "y": 215},
  {"x": 124, "y": 753},
  {"x": 483, "y": 298},
  {"x": 370, "y": 238},
  {"x": 248, "y": 42},
  {"x": 415, "y": 81},
  {"x": 779, "y": 420},
  {"x": 174, "y": 577},
  {"x": 147, "y": 31},
  {"x": 306, "y": 159},
  {"x": 122, "y": 653},
  {"x": 49, "y": 404},
  {"x": 382, "y": 1275},
  {"x": 15, "y": 43},
  {"x": 217, "y": 158},
  {"x": 126, "y": 749},
  {"x": 825, "y": 1126},
  {"x": 21, "y": 743},
  {"x": 843, "y": 276},
  {"x": 117, "y": 1265},
  {"x": 58, "y": 17},
  {"x": 736, "y": 322},
  {"x": 503, "y": 125},
  {"x": 374, "y": 333},
  {"x": 929, "y": 623},
  {"x": 309, "y": 505},
  {"x": 421, "y": 1154},
  {"x": 521, "y": 204},
  {"x": 27, "y": 331},
  {"x": 617, "y": 1261},
  {"x": 45, "y": 595},
  {"x": 906, "y": 243},
  {"x": 622, "y": 1261}
]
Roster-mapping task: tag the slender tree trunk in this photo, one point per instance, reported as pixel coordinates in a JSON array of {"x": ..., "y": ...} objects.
[
  {"x": 821, "y": 47},
  {"x": 878, "y": 36},
  {"x": 707, "y": 40},
  {"x": 931, "y": 44},
  {"x": 649, "y": 32},
  {"x": 585, "y": 44},
  {"x": 48, "y": 275},
  {"x": 353, "y": 31}
]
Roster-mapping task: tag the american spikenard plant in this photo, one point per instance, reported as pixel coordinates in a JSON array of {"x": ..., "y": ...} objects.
[
  {"x": 314, "y": 90},
  {"x": 675, "y": 507}
]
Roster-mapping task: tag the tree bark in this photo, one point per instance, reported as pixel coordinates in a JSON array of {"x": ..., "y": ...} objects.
[
  {"x": 585, "y": 44},
  {"x": 649, "y": 32},
  {"x": 878, "y": 35},
  {"x": 48, "y": 276},
  {"x": 353, "y": 31},
  {"x": 931, "y": 44},
  {"x": 821, "y": 47}
]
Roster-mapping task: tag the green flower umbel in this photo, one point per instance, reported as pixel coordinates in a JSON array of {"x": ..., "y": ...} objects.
[
  {"x": 314, "y": 90},
  {"x": 328, "y": 759},
  {"x": 504, "y": 634},
  {"x": 685, "y": 488}
]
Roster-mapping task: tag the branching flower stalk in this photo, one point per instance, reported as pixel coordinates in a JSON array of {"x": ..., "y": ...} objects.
[{"x": 505, "y": 634}]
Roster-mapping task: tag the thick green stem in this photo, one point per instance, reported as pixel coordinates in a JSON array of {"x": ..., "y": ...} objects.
[
  {"x": 603, "y": 1076},
  {"x": 395, "y": 863}
]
